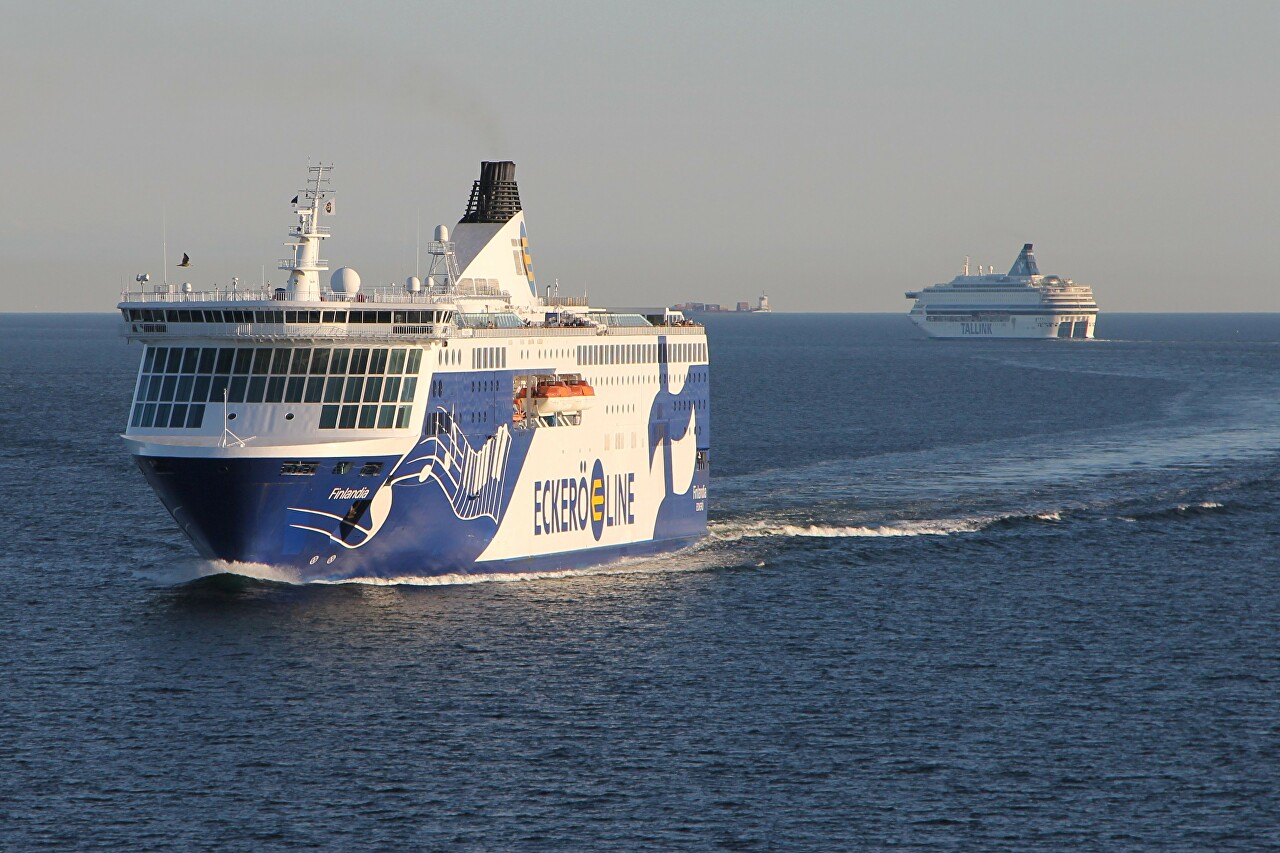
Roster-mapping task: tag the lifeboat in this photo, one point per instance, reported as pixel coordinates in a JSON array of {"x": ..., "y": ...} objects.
[{"x": 556, "y": 397}]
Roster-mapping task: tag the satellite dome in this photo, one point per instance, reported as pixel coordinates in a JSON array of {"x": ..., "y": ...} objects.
[
  {"x": 345, "y": 281},
  {"x": 413, "y": 284},
  {"x": 442, "y": 233},
  {"x": 186, "y": 287}
]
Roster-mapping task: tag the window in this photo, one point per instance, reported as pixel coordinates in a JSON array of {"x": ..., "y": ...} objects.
[
  {"x": 391, "y": 389},
  {"x": 315, "y": 386},
  {"x": 438, "y": 423},
  {"x": 186, "y": 378}
]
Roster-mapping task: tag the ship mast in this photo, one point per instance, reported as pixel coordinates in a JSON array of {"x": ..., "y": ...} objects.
[{"x": 306, "y": 264}]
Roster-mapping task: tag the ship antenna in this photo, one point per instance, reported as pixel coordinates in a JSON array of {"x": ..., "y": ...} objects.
[
  {"x": 417, "y": 249},
  {"x": 164, "y": 242}
]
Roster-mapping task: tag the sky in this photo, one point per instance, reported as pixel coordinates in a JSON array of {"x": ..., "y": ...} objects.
[{"x": 831, "y": 154}]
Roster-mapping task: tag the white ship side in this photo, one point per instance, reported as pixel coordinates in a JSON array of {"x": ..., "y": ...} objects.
[{"x": 1021, "y": 304}]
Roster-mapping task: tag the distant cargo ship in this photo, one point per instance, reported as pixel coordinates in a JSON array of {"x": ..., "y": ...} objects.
[
  {"x": 762, "y": 307},
  {"x": 1022, "y": 304}
]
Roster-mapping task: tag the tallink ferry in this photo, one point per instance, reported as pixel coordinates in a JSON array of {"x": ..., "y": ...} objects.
[
  {"x": 1021, "y": 304},
  {"x": 463, "y": 423}
]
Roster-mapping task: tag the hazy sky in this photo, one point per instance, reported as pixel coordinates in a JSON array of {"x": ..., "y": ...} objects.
[{"x": 833, "y": 154}]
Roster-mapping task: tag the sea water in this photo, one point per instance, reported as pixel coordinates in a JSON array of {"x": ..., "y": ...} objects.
[{"x": 978, "y": 595}]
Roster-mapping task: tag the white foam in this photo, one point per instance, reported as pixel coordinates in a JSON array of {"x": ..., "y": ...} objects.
[
  {"x": 679, "y": 561},
  {"x": 943, "y": 527},
  {"x": 261, "y": 571}
]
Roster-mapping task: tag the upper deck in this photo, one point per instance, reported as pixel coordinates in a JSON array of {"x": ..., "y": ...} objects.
[
  {"x": 479, "y": 283},
  {"x": 390, "y": 314}
]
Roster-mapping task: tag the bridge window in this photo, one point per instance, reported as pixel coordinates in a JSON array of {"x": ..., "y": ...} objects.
[{"x": 186, "y": 378}]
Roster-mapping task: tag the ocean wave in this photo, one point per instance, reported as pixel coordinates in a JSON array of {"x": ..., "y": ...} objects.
[
  {"x": 732, "y": 531},
  {"x": 678, "y": 561},
  {"x": 1178, "y": 511}
]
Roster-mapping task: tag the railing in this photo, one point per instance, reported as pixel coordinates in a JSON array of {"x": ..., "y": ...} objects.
[
  {"x": 198, "y": 296},
  {"x": 383, "y": 295},
  {"x": 310, "y": 331},
  {"x": 280, "y": 330},
  {"x": 297, "y": 263},
  {"x": 561, "y": 331}
]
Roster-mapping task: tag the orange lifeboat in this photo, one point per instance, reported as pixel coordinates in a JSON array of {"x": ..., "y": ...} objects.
[
  {"x": 562, "y": 396},
  {"x": 579, "y": 388}
]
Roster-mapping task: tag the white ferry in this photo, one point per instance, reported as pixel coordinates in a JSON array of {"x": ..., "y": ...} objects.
[
  {"x": 462, "y": 423},
  {"x": 1022, "y": 304}
]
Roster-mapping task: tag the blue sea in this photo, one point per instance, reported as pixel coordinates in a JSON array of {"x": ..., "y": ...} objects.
[{"x": 970, "y": 595}]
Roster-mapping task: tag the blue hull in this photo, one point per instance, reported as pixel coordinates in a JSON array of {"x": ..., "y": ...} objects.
[{"x": 251, "y": 511}]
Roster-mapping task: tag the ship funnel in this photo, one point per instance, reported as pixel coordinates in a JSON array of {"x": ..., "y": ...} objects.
[
  {"x": 492, "y": 233},
  {"x": 1026, "y": 263},
  {"x": 494, "y": 198}
]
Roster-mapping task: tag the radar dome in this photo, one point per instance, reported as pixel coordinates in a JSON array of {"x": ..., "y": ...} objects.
[
  {"x": 413, "y": 284},
  {"x": 186, "y": 287},
  {"x": 345, "y": 281},
  {"x": 442, "y": 233}
]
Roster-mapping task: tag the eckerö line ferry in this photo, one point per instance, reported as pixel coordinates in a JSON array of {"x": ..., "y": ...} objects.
[
  {"x": 460, "y": 424},
  {"x": 1022, "y": 304}
]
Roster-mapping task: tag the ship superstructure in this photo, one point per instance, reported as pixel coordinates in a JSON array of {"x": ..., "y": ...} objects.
[
  {"x": 1021, "y": 304},
  {"x": 461, "y": 423}
]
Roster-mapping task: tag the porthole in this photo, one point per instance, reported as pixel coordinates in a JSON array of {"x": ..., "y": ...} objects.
[
  {"x": 289, "y": 416},
  {"x": 231, "y": 417}
]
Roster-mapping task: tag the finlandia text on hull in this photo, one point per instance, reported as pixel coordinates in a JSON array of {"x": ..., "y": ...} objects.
[{"x": 466, "y": 422}]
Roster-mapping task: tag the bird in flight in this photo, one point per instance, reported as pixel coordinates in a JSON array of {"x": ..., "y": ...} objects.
[{"x": 186, "y": 261}]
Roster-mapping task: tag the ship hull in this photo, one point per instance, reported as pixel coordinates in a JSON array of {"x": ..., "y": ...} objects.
[
  {"x": 1026, "y": 327},
  {"x": 330, "y": 526},
  {"x": 504, "y": 499}
]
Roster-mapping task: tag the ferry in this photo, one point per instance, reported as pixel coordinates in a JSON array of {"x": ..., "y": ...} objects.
[
  {"x": 1021, "y": 304},
  {"x": 463, "y": 423}
]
